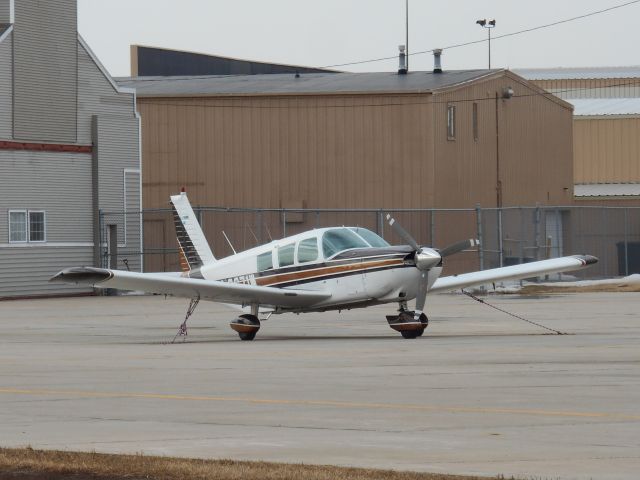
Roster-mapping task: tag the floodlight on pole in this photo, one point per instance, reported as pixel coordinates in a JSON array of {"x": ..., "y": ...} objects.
[{"x": 488, "y": 24}]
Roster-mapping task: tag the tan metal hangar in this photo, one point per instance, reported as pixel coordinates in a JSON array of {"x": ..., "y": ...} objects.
[{"x": 444, "y": 139}]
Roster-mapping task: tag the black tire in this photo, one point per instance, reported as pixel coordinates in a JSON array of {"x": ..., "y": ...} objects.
[
  {"x": 411, "y": 333},
  {"x": 247, "y": 336}
]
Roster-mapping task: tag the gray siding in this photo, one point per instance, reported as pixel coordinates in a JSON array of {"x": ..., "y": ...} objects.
[
  {"x": 45, "y": 69},
  {"x": 59, "y": 183},
  {"x": 132, "y": 248},
  {"x": 6, "y": 89},
  {"x": 26, "y": 271},
  {"x": 118, "y": 150},
  {"x": 5, "y": 11},
  {"x": 96, "y": 96}
]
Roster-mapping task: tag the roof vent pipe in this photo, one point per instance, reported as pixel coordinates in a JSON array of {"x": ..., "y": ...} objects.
[
  {"x": 402, "y": 58},
  {"x": 437, "y": 65}
]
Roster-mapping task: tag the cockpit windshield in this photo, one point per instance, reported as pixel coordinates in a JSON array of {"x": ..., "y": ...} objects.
[
  {"x": 371, "y": 238},
  {"x": 338, "y": 240}
]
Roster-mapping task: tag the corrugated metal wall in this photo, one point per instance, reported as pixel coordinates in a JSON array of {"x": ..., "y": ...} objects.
[
  {"x": 318, "y": 151},
  {"x": 592, "y": 87},
  {"x": 6, "y": 89},
  {"x": 535, "y": 147},
  {"x": 358, "y": 151},
  {"x": 607, "y": 150},
  {"x": 45, "y": 61}
]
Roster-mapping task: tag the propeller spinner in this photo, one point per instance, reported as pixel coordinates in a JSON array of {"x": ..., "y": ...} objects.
[{"x": 426, "y": 258}]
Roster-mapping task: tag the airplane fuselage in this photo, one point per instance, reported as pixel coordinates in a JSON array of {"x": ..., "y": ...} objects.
[{"x": 357, "y": 277}]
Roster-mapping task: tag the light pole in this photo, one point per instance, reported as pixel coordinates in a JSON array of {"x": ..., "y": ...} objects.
[
  {"x": 407, "y": 31},
  {"x": 488, "y": 24}
]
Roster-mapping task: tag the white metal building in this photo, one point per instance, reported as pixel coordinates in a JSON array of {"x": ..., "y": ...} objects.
[{"x": 69, "y": 148}]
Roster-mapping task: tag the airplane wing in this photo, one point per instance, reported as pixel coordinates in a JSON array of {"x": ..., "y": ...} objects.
[
  {"x": 514, "y": 272},
  {"x": 179, "y": 286}
]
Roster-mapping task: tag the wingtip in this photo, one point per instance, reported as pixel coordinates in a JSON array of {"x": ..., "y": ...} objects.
[
  {"x": 81, "y": 275},
  {"x": 587, "y": 259}
]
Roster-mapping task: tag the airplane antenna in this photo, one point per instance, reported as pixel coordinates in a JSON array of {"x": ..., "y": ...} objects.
[
  {"x": 252, "y": 233},
  {"x": 229, "y": 242}
]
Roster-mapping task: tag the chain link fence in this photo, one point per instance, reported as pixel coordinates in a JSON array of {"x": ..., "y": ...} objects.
[{"x": 508, "y": 236}]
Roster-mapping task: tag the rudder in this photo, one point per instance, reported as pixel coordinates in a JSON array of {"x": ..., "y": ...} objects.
[{"x": 194, "y": 248}]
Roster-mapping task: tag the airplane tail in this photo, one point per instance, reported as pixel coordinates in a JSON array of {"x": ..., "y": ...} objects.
[{"x": 194, "y": 249}]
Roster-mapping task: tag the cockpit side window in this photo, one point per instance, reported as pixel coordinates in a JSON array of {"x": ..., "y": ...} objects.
[
  {"x": 340, "y": 239},
  {"x": 308, "y": 250},
  {"x": 285, "y": 255},
  {"x": 371, "y": 238},
  {"x": 265, "y": 261}
]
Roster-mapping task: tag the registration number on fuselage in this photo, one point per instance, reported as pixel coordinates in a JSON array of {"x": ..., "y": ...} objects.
[{"x": 249, "y": 279}]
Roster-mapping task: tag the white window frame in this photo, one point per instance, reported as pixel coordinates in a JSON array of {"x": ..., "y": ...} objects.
[
  {"x": 44, "y": 226},
  {"x": 27, "y": 216},
  {"x": 451, "y": 121}
]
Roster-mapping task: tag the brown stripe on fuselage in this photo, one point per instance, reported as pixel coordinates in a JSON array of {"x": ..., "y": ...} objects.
[{"x": 323, "y": 271}]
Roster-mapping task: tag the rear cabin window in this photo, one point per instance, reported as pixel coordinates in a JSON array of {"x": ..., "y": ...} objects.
[
  {"x": 339, "y": 240},
  {"x": 308, "y": 250},
  {"x": 285, "y": 255},
  {"x": 371, "y": 238},
  {"x": 265, "y": 262}
]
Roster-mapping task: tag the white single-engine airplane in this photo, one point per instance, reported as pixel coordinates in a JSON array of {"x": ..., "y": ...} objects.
[{"x": 323, "y": 269}]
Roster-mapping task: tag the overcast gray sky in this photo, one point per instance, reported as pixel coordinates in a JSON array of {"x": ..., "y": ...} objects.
[{"x": 321, "y": 33}]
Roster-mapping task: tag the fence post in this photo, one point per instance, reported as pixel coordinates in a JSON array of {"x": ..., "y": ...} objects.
[
  {"x": 284, "y": 223},
  {"x": 500, "y": 244},
  {"x": 260, "y": 226},
  {"x": 432, "y": 227},
  {"x": 380, "y": 223},
  {"x": 102, "y": 239},
  {"x": 480, "y": 239},
  {"x": 536, "y": 229},
  {"x": 626, "y": 242}
]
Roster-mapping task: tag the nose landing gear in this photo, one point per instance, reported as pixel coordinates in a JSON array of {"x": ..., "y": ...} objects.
[{"x": 407, "y": 325}]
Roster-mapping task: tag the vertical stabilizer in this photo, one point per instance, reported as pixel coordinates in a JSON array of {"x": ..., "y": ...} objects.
[{"x": 194, "y": 249}]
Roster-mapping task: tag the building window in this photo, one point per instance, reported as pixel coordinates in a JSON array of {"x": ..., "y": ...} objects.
[
  {"x": 17, "y": 226},
  {"x": 451, "y": 122},
  {"x": 36, "y": 226},
  {"x": 27, "y": 226},
  {"x": 475, "y": 122}
]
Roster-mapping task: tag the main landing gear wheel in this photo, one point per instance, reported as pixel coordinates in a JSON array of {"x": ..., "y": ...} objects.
[
  {"x": 407, "y": 325},
  {"x": 247, "y": 326}
]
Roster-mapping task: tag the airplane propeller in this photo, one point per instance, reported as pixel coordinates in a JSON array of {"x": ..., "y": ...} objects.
[{"x": 426, "y": 258}]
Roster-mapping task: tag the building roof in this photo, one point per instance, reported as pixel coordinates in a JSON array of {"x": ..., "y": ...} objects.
[
  {"x": 605, "y": 106},
  {"x": 305, "y": 83},
  {"x": 158, "y": 62},
  {"x": 607, "y": 190},
  {"x": 578, "y": 73}
]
